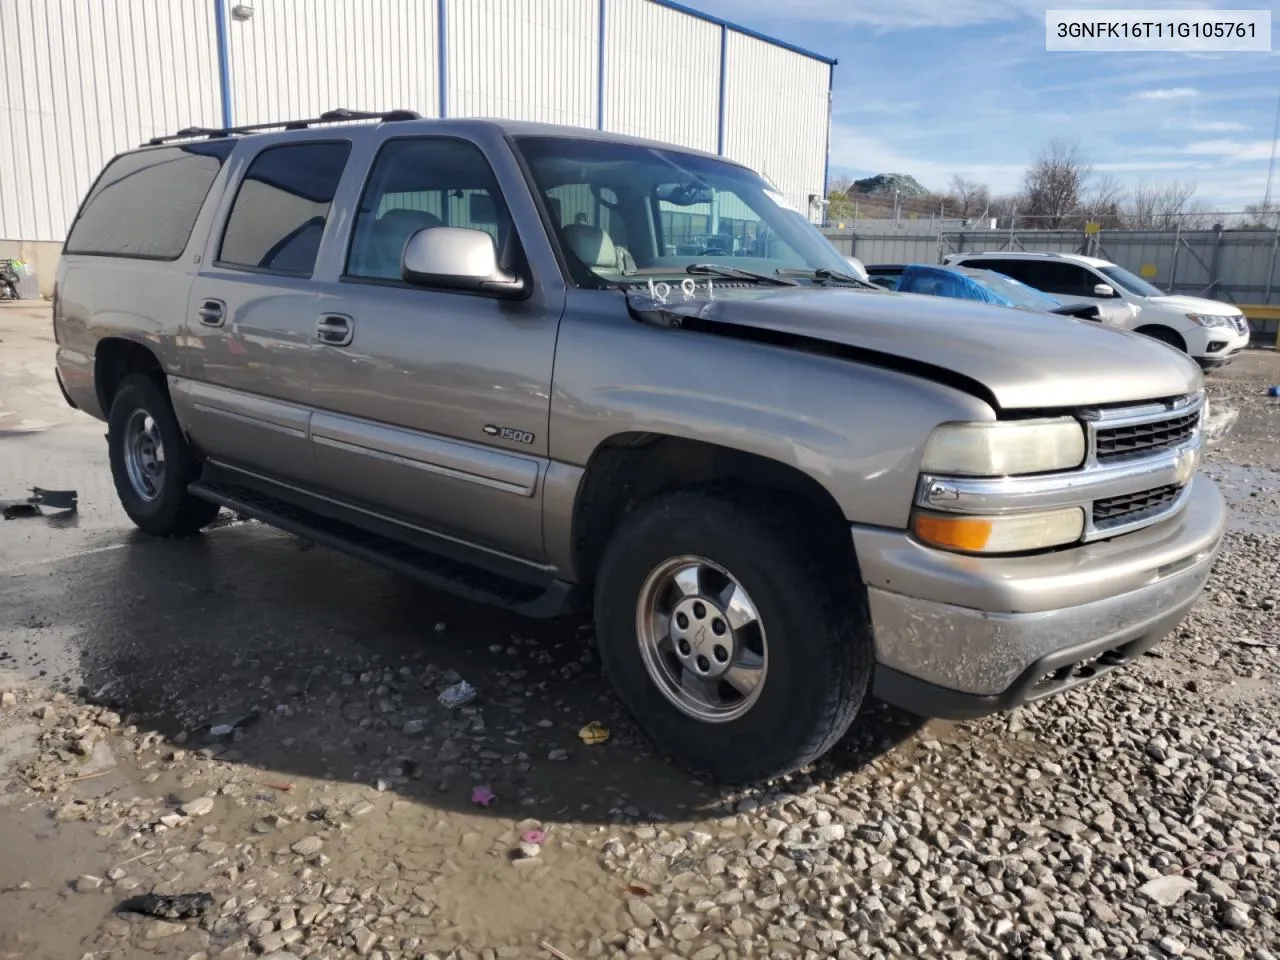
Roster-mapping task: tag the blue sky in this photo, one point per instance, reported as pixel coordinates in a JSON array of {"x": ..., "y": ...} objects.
[{"x": 939, "y": 87}]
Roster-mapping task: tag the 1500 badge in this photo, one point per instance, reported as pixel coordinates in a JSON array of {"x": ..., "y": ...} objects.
[{"x": 508, "y": 433}]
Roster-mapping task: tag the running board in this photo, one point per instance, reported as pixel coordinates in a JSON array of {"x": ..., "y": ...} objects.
[{"x": 553, "y": 598}]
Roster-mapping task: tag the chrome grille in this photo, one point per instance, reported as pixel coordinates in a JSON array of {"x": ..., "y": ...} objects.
[
  {"x": 1134, "y": 439},
  {"x": 1133, "y": 506}
]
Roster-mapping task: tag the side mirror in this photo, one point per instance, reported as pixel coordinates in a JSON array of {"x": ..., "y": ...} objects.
[
  {"x": 1104, "y": 290},
  {"x": 457, "y": 259}
]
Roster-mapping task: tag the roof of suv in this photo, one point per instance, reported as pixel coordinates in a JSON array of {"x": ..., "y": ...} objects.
[
  {"x": 1027, "y": 255},
  {"x": 512, "y": 128}
]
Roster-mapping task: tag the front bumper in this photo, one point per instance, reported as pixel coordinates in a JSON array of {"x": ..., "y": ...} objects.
[{"x": 962, "y": 636}]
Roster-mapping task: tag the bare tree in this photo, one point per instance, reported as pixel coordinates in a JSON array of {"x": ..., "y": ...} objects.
[
  {"x": 1055, "y": 183},
  {"x": 1159, "y": 206},
  {"x": 966, "y": 198},
  {"x": 1260, "y": 216},
  {"x": 1102, "y": 200}
]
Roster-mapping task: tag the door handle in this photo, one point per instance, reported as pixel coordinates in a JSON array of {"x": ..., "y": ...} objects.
[
  {"x": 335, "y": 330},
  {"x": 212, "y": 313}
]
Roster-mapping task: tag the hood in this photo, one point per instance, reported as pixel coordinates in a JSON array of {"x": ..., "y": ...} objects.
[
  {"x": 1210, "y": 308},
  {"x": 1023, "y": 360}
]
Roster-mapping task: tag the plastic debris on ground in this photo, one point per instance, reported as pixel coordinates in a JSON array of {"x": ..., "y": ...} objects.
[
  {"x": 483, "y": 796},
  {"x": 180, "y": 906},
  {"x": 457, "y": 695},
  {"x": 594, "y": 732},
  {"x": 67, "y": 500},
  {"x": 535, "y": 837}
]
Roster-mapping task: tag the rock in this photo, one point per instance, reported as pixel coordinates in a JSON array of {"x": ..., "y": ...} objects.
[
  {"x": 1068, "y": 826},
  {"x": 413, "y": 728},
  {"x": 307, "y": 846},
  {"x": 86, "y": 883},
  {"x": 1236, "y": 917},
  {"x": 1167, "y": 891},
  {"x": 8, "y": 699},
  {"x": 684, "y": 932},
  {"x": 199, "y": 807},
  {"x": 212, "y": 848},
  {"x": 643, "y": 914},
  {"x": 364, "y": 939},
  {"x": 1172, "y": 947},
  {"x": 271, "y": 942},
  {"x": 361, "y": 809},
  {"x": 159, "y": 929},
  {"x": 116, "y": 873},
  {"x": 279, "y": 955}
]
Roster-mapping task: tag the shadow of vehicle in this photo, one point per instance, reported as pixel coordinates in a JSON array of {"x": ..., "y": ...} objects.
[{"x": 300, "y": 661}]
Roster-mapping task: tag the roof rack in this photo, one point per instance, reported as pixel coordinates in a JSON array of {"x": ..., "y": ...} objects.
[{"x": 340, "y": 115}]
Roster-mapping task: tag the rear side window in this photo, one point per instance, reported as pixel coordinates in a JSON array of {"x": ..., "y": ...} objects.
[
  {"x": 145, "y": 204},
  {"x": 1051, "y": 276},
  {"x": 279, "y": 213}
]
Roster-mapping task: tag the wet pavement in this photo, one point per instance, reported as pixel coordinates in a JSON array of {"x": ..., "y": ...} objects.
[{"x": 297, "y": 687}]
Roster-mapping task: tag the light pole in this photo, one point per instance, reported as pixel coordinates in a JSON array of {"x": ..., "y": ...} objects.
[{"x": 1271, "y": 167}]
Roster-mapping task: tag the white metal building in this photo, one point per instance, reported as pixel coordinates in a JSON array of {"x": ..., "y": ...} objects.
[{"x": 81, "y": 80}]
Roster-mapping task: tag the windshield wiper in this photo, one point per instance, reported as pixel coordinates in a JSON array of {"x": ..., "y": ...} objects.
[
  {"x": 736, "y": 273},
  {"x": 822, "y": 273}
]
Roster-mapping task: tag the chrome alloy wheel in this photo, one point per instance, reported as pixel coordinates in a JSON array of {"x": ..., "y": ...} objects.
[
  {"x": 701, "y": 639},
  {"x": 143, "y": 455}
]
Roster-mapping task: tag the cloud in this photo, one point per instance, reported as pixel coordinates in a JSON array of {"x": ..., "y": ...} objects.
[
  {"x": 1215, "y": 126},
  {"x": 1168, "y": 93},
  {"x": 1232, "y": 151}
]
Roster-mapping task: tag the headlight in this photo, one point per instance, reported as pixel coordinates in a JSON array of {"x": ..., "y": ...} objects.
[
  {"x": 1014, "y": 533},
  {"x": 994, "y": 448},
  {"x": 1209, "y": 320}
]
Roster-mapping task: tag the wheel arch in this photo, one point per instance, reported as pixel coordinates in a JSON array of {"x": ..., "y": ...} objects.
[
  {"x": 628, "y": 469},
  {"x": 114, "y": 359},
  {"x": 1164, "y": 333}
]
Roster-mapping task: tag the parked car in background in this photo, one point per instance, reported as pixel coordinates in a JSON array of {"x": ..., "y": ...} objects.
[
  {"x": 439, "y": 345},
  {"x": 857, "y": 269},
  {"x": 1210, "y": 331},
  {"x": 885, "y": 274},
  {"x": 966, "y": 283}
]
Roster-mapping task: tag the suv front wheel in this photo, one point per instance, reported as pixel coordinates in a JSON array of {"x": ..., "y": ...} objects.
[
  {"x": 735, "y": 643},
  {"x": 152, "y": 463}
]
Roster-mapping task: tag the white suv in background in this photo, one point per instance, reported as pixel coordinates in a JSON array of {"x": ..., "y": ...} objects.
[{"x": 1211, "y": 332}]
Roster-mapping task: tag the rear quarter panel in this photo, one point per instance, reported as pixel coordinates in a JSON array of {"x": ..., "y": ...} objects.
[
  {"x": 857, "y": 430},
  {"x": 139, "y": 300},
  {"x": 144, "y": 301}
]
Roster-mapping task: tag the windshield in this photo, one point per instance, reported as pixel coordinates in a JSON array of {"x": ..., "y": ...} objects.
[
  {"x": 1130, "y": 281},
  {"x": 624, "y": 213},
  {"x": 1017, "y": 293}
]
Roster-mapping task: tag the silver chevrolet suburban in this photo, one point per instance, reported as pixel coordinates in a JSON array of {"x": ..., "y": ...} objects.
[{"x": 502, "y": 358}]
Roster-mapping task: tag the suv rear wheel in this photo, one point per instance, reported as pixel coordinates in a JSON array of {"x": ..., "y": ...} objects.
[
  {"x": 736, "y": 645},
  {"x": 151, "y": 462}
]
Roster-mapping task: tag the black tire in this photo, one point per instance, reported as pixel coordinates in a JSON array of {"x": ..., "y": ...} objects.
[
  {"x": 820, "y": 656},
  {"x": 173, "y": 512},
  {"x": 1164, "y": 335}
]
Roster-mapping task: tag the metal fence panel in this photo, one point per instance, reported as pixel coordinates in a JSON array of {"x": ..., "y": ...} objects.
[{"x": 1235, "y": 266}]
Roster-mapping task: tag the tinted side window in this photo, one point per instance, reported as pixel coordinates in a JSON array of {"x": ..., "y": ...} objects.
[
  {"x": 145, "y": 204},
  {"x": 420, "y": 183},
  {"x": 279, "y": 213},
  {"x": 1064, "y": 278}
]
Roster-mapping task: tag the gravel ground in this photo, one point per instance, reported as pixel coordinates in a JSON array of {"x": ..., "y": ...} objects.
[{"x": 1134, "y": 816}]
